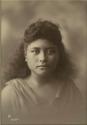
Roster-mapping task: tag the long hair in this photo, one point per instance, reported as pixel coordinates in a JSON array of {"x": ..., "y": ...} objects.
[{"x": 42, "y": 29}]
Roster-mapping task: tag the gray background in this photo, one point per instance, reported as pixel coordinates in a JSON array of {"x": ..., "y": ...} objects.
[{"x": 70, "y": 14}]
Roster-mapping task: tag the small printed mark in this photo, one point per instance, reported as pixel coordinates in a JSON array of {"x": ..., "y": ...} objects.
[{"x": 12, "y": 119}]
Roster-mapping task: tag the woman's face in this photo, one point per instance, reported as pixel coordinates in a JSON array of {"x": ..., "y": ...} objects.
[{"x": 42, "y": 57}]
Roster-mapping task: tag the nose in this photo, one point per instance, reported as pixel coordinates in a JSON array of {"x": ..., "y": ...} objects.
[{"x": 42, "y": 57}]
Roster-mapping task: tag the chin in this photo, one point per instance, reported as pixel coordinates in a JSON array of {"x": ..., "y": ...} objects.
[{"x": 43, "y": 74}]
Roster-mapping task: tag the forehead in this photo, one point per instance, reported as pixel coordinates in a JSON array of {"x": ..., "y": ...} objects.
[{"x": 41, "y": 43}]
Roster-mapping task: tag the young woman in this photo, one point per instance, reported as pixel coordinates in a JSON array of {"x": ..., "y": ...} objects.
[{"x": 42, "y": 89}]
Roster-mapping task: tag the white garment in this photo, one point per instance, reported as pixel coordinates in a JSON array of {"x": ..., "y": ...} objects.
[{"x": 20, "y": 104}]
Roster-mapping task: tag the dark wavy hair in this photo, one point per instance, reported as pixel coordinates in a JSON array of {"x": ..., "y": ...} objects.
[{"x": 41, "y": 29}]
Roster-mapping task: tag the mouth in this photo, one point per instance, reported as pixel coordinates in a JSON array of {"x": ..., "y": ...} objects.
[{"x": 42, "y": 66}]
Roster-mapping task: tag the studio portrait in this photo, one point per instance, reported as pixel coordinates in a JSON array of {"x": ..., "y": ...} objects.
[{"x": 43, "y": 62}]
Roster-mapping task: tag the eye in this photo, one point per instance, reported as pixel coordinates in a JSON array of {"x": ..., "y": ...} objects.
[
  {"x": 51, "y": 51},
  {"x": 35, "y": 51}
]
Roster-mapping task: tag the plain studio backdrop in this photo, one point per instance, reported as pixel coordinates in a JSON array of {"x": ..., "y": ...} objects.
[{"x": 71, "y": 16}]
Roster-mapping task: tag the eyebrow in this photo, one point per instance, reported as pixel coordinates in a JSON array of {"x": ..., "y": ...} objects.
[{"x": 45, "y": 48}]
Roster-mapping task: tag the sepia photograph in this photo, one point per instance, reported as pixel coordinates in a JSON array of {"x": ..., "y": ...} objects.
[{"x": 43, "y": 67}]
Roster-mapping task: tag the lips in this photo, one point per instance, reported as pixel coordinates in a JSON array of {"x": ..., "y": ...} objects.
[{"x": 42, "y": 66}]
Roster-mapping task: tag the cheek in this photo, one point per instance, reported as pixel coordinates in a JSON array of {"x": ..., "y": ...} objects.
[
  {"x": 31, "y": 60},
  {"x": 54, "y": 59},
  {"x": 28, "y": 59}
]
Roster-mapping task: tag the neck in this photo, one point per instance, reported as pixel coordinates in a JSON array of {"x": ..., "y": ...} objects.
[
  {"x": 45, "y": 87},
  {"x": 42, "y": 80}
]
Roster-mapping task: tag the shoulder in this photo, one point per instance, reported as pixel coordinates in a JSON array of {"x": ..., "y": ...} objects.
[
  {"x": 73, "y": 88},
  {"x": 10, "y": 99},
  {"x": 74, "y": 93},
  {"x": 11, "y": 93},
  {"x": 76, "y": 99},
  {"x": 10, "y": 90},
  {"x": 14, "y": 82}
]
